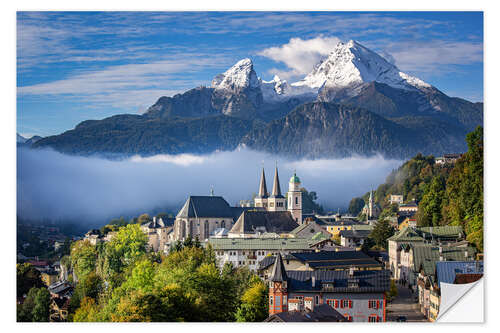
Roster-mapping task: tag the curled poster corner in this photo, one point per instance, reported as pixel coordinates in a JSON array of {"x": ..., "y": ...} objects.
[{"x": 462, "y": 303}]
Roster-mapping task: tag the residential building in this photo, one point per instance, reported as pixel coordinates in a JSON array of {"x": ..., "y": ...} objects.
[
  {"x": 355, "y": 237},
  {"x": 448, "y": 158},
  {"x": 250, "y": 251},
  {"x": 323, "y": 260},
  {"x": 411, "y": 206},
  {"x": 358, "y": 295},
  {"x": 419, "y": 235},
  {"x": 396, "y": 198}
]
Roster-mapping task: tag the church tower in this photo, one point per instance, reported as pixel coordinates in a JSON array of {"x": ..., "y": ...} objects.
[
  {"x": 278, "y": 289},
  {"x": 276, "y": 201},
  {"x": 295, "y": 198},
  {"x": 261, "y": 199}
]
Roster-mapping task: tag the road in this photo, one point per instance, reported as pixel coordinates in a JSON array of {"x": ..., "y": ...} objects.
[{"x": 404, "y": 305}]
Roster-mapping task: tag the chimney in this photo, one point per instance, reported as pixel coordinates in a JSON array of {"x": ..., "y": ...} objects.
[{"x": 313, "y": 281}]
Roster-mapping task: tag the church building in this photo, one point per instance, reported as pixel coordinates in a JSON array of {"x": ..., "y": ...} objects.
[
  {"x": 371, "y": 210},
  {"x": 276, "y": 202}
]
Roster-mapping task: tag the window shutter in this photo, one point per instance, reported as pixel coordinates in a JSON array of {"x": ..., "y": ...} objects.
[
  {"x": 350, "y": 304},
  {"x": 336, "y": 303},
  {"x": 378, "y": 304}
]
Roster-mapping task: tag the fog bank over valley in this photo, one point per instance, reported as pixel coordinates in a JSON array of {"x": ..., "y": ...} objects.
[{"x": 55, "y": 186}]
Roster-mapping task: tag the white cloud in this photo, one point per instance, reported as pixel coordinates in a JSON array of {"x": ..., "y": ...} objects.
[
  {"x": 435, "y": 57},
  {"x": 300, "y": 55}
]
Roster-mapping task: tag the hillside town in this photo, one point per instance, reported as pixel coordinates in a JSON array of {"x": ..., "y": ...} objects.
[{"x": 315, "y": 267}]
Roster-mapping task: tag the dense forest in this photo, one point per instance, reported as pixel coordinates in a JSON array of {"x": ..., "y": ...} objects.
[{"x": 447, "y": 194}]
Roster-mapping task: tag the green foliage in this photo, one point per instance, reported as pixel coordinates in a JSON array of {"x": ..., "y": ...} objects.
[
  {"x": 463, "y": 202},
  {"x": 429, "y": 213},
  {"x": 83, "y": 258},
  {"x": 254, "y": 307},
  {"x": 35, "y": 307},
  {"x": 27, "y": 277},
  {"x": 381, "y": 232},
  {"x": 393, "y": 291},
  {"x": 355, "y": 206},
  {"x": 309, "y": 204}
]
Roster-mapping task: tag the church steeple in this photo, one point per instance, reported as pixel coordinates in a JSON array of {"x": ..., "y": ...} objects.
[
  {"x": 263, "y": 187},
  {"x": 276, "y": 185}
]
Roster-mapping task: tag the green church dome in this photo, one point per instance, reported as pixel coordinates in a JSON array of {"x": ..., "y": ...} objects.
[{"x": 294, "y": 179}]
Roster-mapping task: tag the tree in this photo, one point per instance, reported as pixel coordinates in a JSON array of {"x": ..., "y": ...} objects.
[
  {"x": 309, "y": 204},
  {"x": 355, "y": 206},
  {"x": 27, "y": 277},
  {"x": 128, "y": 245},
  {"x": 430, "y": 207},
  {"x": 87, "y": 312},
  {"x": 254, "y": 307},
  {"x": 83, "y": 258},
  {"x": 143, "y": 218},
  {"x": 42, "y": 306},
  {"x": 381, "y": 232}
]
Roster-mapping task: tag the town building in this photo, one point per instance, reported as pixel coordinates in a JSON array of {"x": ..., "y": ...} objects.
[
  {"x": 322, "y": 260},
  {"x": 448, "y": 158},
  {"x": 418, "y": 235},
  {"x": 159, "y": 234},
  {"x": 256, "y": 223},
  {"x": 250, "y": 251},
  {"x": 411, "y": 206},
  {"x": 276, "y": 201},
  {"x": 358, "y": 295},
  {"x": 371, "y": 209},
  {"x": 396, "y": 198},
  {"x": 356, "y": 236}
]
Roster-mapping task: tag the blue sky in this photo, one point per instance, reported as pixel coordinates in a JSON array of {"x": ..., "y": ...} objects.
[{"x": 89, "y": 65}]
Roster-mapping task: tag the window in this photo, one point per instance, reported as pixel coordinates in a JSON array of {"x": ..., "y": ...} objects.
[
  {"x": 373, "y": 318},
  {"x": 271, "y": 298},
  {"x": 373, "y": 304},
  {"x": 223, "y": 224},
  {"x": 278, "y": 300},
  {"x": 330, "y": 302},
  {"x": 316, "y": 300},
  {"x": 296, "y": 200},
  {"x": 345, "y": 303}
]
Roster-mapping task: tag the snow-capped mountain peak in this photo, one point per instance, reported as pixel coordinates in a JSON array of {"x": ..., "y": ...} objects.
[
  {"x": 351, "y": 64},
  {"x": 240, "y": 76}
]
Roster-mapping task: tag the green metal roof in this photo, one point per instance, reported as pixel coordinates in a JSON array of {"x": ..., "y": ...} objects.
[
  {"x": 406, "y": 235},
  {"x": 362, "y": 227},
  {"x": 442, "y": 231},
  {"x": 294, "y": 179},
  {"x": 259, "y": 243},
  {"x": 427, "y": 255}
]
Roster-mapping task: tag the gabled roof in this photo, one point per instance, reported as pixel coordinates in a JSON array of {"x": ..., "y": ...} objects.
[
  {"x": 206, "y": 206},
  {"x": 357, "y": 234},
  {"x": 451, "y": 231},
  {"x": 279, "y": 272},
  {"x": 320, "y": 313},
  {"x": 406, "y": 235},
  {"x": 276, "y": 222}
]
